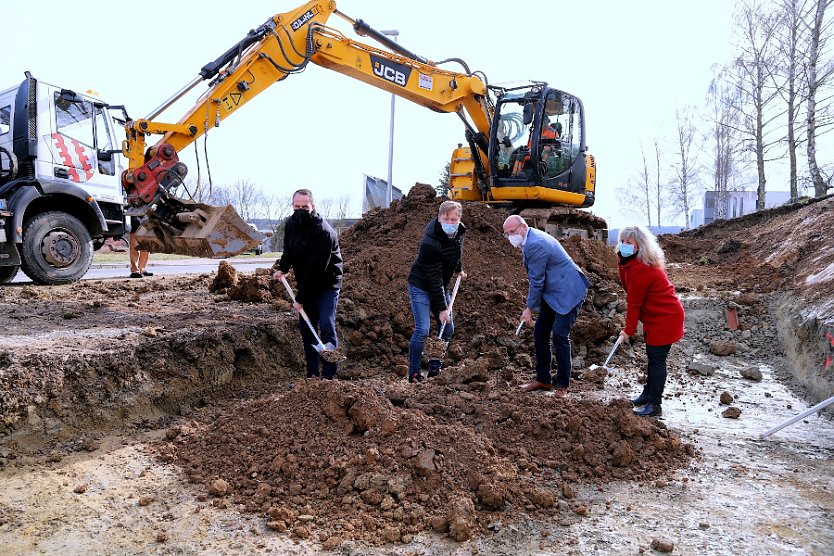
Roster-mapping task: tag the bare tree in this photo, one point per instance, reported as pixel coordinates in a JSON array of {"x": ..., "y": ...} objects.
[
  {"x": 637, "y": 195},
  {"x": 276, "y": 210},
  {"x": 817, "y": 76},
  {"x": 247, "y": 199},
  {"x": 788, "y": 78},
  {"x": 724, "y": 139},
  {"x": 341, "y": 210},
  {"x": 324, "y": 207},
  {"x": 686, "y": 173},
  {"x": 657, "y": 182},
  {"x": 751, "y": 74}
]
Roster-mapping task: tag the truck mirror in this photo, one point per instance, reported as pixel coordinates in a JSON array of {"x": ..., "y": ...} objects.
[
  {"x": 105, "y": 156},
  {"x": 528, "y": 114}
]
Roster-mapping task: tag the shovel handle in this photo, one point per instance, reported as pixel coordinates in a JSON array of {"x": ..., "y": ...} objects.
[
  {"x": 301, "y": 311},
  {"x": 451, "y": 302},
  {"x": 613, "y": 349},
  {"x": 517, "y": 330}
]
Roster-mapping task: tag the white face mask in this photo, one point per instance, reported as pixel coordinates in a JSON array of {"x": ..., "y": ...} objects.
[{"x": 516, "y": 240}]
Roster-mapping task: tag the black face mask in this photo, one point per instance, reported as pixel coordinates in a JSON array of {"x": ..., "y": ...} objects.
[{"x": 301, "y": 216}]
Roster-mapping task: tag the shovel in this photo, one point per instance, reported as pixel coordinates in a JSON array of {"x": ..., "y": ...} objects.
[
  {"x": 328, "y": 351},
  {"x": 610, "y": 355},
  {"x": 436, "y": 347}
]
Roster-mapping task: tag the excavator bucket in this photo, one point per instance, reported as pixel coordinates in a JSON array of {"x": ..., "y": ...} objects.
[{"x": 196, "y": 230}]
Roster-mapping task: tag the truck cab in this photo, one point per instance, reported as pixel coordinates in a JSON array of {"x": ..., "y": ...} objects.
[{"x": 60, "y": 180}]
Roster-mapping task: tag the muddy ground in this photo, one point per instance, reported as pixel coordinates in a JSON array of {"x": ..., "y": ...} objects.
[{"x": 170, "y": 416}]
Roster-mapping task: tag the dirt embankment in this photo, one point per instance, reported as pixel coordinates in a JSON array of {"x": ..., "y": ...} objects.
[{"x": 787, "y": 251}]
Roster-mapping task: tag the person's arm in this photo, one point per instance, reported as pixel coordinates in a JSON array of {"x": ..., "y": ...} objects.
[
  {"x": 638, "y": 284},
  {"x": 536, "y": 257},
  {"x": 432, "y": 262}
]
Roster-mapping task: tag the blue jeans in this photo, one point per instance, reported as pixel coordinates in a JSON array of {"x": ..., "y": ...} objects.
[
  {"x": 551, "y": 325},
  {"x": 421, "y": 309},
  {"x": 656, "y": 380},
  {"x": 321, "y": 310}
]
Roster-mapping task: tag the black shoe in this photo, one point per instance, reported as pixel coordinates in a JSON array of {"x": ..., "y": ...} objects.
[
  {"x": 433, "y": 373},
  {"x": 135, "y": 274},
  {"x": 415, "y": 377},
  {"x": 146, "y": 273},
  {"x": 649, "y": 410},
  {"x": 642, "y": 399}
]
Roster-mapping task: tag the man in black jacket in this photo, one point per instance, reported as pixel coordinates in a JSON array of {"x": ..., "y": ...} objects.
[
  {"x": 311, "y": 250},
  {"x": 438, "y": 259}
]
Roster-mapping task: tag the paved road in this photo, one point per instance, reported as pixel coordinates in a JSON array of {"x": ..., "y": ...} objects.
[{"x": 99, "y": 271}]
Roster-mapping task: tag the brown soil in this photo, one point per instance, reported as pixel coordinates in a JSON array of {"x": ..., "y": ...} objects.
[{"x": 216, "y": 362}]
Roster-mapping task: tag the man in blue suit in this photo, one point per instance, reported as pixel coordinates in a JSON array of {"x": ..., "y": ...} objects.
[{"x": 557, "y": 289}]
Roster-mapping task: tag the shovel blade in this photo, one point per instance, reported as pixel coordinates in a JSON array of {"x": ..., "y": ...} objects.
[{"x": 196, "y": 230}]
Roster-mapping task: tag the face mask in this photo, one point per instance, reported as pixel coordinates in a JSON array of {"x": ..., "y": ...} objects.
[
  {"x": 515, "y": 240},
  {"x": 301, "y": 216},
  {"x": 449, "y": 229},
  {"x": 626, "y": 249}
]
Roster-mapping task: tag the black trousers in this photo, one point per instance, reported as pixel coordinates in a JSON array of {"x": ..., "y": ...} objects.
[{"x": 656, "y": 381}]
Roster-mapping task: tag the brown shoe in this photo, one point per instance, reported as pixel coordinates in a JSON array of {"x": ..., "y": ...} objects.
[
  {"x": 561, "y": 392},
  {"x": 536, "y": 385}
]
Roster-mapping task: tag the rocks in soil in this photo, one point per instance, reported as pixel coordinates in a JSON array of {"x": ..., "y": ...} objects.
[
  {"x": 726, "y": 398},
  {"x": 722, "y": 347},
  {"x": 701, "y": 368},
  {"x": 751, "y": 373},
  {"x": 731, "y": 413},
  {"x": 662, "y": 545}
]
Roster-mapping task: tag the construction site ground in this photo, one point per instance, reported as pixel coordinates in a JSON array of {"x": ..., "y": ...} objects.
[{"x": 169, "y": 415}]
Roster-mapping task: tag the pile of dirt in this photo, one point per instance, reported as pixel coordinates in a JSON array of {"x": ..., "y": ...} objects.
[
  {"x": 374, "y": 313},
  {"x": 785, "y": 248},
  {"x": 336, "y": 460}
]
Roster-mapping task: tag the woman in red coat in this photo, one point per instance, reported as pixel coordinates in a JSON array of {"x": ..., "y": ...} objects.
[{"x": 651, "y": 299}]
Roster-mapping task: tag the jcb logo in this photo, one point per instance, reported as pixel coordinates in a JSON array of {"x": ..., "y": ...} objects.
[
  {"x": 390, "y": 71},
  {"x": 307, "y": 16}
]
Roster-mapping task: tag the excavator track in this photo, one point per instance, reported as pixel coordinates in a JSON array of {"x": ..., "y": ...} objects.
[{"x": 564, "y": 222}]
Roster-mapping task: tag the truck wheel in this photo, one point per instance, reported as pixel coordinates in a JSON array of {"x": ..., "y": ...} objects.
[
  {"x": 7, "y": 274},
  {"x": 57, "y": 248}
]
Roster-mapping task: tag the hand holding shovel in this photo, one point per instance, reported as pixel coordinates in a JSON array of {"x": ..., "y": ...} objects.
[
  {"x": 436, "y": 347},
  {"x": 328, "y": 351}
]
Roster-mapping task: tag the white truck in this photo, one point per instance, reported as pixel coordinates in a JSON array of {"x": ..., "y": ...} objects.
[
  {"x": 62, "y": 194},
  {"x": 60, "y": 181}
]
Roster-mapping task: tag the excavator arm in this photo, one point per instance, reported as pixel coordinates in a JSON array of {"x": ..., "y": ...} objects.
[{"x": 283, "y": 45}]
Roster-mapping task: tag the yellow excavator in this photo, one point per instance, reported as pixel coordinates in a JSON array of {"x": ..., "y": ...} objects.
[{"x": 525, "y": 147}]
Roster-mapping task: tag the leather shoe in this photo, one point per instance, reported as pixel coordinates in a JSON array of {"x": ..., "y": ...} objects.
[
  {"x": 415, "y": 377},
  {"x": 561, "y": 392},
  {"x": 536, "y": 385},
  {"x": 135, "y": 274},
  {"x": 642, "y": 399},
  {"x": 146, "y": 273},
  {"x": 649, "y": 410}
]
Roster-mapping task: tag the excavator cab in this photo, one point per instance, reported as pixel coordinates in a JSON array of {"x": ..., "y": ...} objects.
[{"x": 538, "y": 149}]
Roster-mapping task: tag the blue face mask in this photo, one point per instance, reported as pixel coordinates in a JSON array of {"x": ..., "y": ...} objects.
[
  {"x": 626, "y": 249},
  {"x": 449, "y": 229}
]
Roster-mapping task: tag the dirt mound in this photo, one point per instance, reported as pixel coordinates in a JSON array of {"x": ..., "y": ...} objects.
[
  {"x": 337, "y": 461},
  {"x": 786, "y": 248},
  {"x": 374, "y": 313}
]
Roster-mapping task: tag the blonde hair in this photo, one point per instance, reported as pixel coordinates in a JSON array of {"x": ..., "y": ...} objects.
[
  {"x": 648, "y": 250},
  {"x": 448, "y": 206}
]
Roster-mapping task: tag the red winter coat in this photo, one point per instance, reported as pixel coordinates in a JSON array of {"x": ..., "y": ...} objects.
[{"x": 651, "y": 299}]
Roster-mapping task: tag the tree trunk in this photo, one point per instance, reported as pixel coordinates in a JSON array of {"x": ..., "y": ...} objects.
[{"x": 813, "y": 58}]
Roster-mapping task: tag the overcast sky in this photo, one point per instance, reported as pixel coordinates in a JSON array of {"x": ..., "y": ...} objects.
[{"x": 631, "y": 63}]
